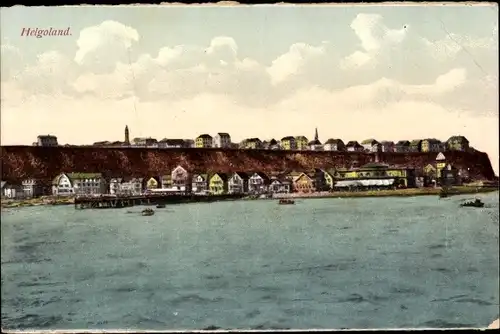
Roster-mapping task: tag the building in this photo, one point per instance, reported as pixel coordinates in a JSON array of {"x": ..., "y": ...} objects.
[
  {"x": 222, "y": 140},
  {"x": 145, "y": 142},
  {"x": 126, "y": 186},
  {"x": 204, "y": 141},
  {"x": 46, "y": 140},
  {"x": 251, "y": 144},
  {"x": 415, "y": 145},
  {"x": 457, "y": 143},
  {"x": 301, "y": 143},
  {"x": 171, "y": 143},
  {"x": 218, "y": 184},
  {"x": 432, "y": 145},
  {"x": 315, "y": 144},
  {"x": 181, "y": 179},
  {"x": 69, "y": 184},
  {"x": 189, "y": 143},
  {"x": 12, "y": 190},
  {"x": 280, "y": 185},
  {"x": 354, "y": 146},
  {"x": 288, "y": 143},
  {"x": 402, "y": 146},
  {"x": 238, "y": 183},
  {"x": 304, "y": 183},
  {"x": 153, "y": 182},
  {"x": 375, "y": 176},
  {"x": 258, "y": 183},
  {"x": 199, "y": 183},
  {"x": 334, "y": 145},
  {"x": 271, "y": 145},
  {"x": 165, "y": 181},
  {"x": 127, "y": 136},
  {"x": 368, "y": 144},
  {"x": 387, "y": 146},
  {"x": 32, "y": 188}
]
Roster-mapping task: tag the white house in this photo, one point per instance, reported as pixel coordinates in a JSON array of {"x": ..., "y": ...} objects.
[
  {"x": 125, "y": 186},
  {"x": 368, "y": 145},
  {"x": 280, "y": 186},
  {"x": 258, "y": 183},
  {"x": 221, "y": 140},
  {"x": 69, "y": 184},
  {"x": 47, "y": 140},
  {"x": 181, "y": 179},
  {"x": 171, "y": 143},
  {"x": 31, "y": 188},
  {"x": 334, "y": 145},
  {"x": 238, "y": 183},
  {"x": 199, "y": 183},
  {"x": 11, "y": 190}
]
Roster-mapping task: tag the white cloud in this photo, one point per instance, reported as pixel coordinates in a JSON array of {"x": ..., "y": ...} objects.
[
  {"x": 99, "y": 45},
  {"x": 291, "y": 62},
  {"x": 447, "y": 48},
  {"x": 374, "y": 36}
]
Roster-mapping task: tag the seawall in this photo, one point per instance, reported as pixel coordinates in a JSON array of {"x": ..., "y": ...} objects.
[{"x": 20, "y": 162}]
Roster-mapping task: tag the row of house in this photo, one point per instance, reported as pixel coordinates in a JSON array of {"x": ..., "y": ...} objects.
[
  {"x": 223, "y": 140},
  {"x": 180, "y": 179}
]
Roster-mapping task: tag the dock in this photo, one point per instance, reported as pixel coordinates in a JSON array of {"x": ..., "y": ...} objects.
[{"x": 117, "y": 202}]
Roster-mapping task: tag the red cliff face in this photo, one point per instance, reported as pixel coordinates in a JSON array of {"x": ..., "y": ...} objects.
[{"x": 20, "y": 162}]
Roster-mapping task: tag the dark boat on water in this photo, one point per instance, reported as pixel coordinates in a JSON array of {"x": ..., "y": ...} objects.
[
  {"x": 160, "y": 206},
  {"x": 148, "y": 212},
  {"x": 473, "y": 204},
  {"x": 284, "y": 201}
]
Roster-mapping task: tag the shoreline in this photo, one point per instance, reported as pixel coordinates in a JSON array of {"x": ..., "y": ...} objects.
[{"x": 410, "y": 192}]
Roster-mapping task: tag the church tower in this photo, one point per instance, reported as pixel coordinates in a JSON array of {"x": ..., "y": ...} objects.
[
  {"x": 127, "y": 138},
  {"x": 316, "y": 135}
]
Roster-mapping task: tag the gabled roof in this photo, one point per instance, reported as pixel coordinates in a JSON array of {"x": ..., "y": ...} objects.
[
  {"x": 332, "y": 141},
  {"x": 304, "y": 174},
  {"x": 205, "y": 136},
  {"x": 403, "y": 143},
  {"x": 223, "y": 134},
  {"x": 262, "y": 175},
  {"x": 223, "y": 176},
  {"x": 440, "y": 156},
  {"x": 2, "y": 184},
  {"x": 370, "y": 141},
  {"x": 352, "y": 143},
  {"x": 242, "y": 175},
  {"x": 252, "y": 140},
  {"x": 415, "y": 142},
  {"x": 387, "y": 142},
  {"x": 203, "y": 175},
  {"x": 288, "y": 138},
  {"x": 314, "y": 142},
  {"x": 301, "y": 138}
]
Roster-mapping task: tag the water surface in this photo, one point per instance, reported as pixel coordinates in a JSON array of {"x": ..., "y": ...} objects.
[{"x": 322, "y": 263}]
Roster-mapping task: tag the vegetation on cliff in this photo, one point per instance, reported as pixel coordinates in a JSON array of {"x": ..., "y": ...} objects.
[{"x": 20, "y": 162}]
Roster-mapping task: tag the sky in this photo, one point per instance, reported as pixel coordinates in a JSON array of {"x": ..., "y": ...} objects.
[{"x": 354, "y": 72}]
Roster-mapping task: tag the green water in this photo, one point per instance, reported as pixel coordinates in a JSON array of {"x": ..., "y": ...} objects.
[{"x": 322, "y": 263}]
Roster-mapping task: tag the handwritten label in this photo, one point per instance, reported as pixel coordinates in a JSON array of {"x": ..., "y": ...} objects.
[{"x": 48, "y": 32}]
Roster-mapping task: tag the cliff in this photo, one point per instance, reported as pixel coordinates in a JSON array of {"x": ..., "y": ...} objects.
[{"x": 20, "y": 162}]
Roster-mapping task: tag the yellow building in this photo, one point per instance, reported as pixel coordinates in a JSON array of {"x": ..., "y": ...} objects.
[
  {"x": 301, "y": 143},
  {"x": 152, "y": 183},
  {"x": 204, "y": 141},
  {"x": 329, "y": 176},
  {"x": 288, "y": 143},
  {"x": 218, "y": 184}
]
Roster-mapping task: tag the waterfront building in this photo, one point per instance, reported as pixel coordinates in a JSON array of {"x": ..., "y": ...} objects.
[
  {"x": 12, "y": 190},
  {"x": 218, "y": 184},
  {"x": 69, "y": 184},
  {"x": 305, "y": 183},
  {"x": 181, "y": 179},
  {"x": 280, "y": 185},
  {"x": 32, "y": 188},
  {"x": 199, "y": 183},
  {"x": 153, "y": 183},
  {"x": 238, "y": 183},
  {"x": 258, "y": 183},
  {"x": 334, "y": 145},
  {"x": 221, "y": 140},
  {"x": 204, "y": 141}
]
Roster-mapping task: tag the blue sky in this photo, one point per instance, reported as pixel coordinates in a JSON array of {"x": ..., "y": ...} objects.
[{"x": 265, "y": 71}]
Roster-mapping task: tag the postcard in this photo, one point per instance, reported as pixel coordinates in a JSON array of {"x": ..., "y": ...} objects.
[{"x": 249, "y": 167}]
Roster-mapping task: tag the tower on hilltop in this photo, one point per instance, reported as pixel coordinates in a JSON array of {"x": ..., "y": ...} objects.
[
  {"x": 127, "y": 137},
  {"x": 316, "y": 134}
]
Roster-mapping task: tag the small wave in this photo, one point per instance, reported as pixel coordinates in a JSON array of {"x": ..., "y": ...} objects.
[
  {"x": 194, "y": 299},
  {"x": 31, "y": 321},
  {"x": 437, "y": 323}
]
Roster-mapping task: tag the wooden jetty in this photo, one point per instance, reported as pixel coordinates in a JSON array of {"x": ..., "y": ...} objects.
[{"x": 116, "y": 202}]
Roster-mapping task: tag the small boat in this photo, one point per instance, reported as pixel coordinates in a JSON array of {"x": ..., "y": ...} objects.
[
  {"x": 148, "y": 212},
  {"x": 473, "y": 204},
  {"x": 160, "y": 206},
  {"x": 284, "y": 201}
]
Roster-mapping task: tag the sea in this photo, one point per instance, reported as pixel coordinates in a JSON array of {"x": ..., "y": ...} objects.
[{"x": 350, "y": 263}]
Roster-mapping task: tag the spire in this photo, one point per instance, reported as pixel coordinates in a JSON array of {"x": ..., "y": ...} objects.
[
  {"x": 316, "y": 134},
  {"x": 127, "y": 139}
]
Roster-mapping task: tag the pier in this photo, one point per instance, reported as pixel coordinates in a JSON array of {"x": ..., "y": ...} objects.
[{"x": 117, "y": 202}]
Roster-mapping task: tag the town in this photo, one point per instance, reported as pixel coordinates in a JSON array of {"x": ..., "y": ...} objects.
[{"x": 371, "y": 176}]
